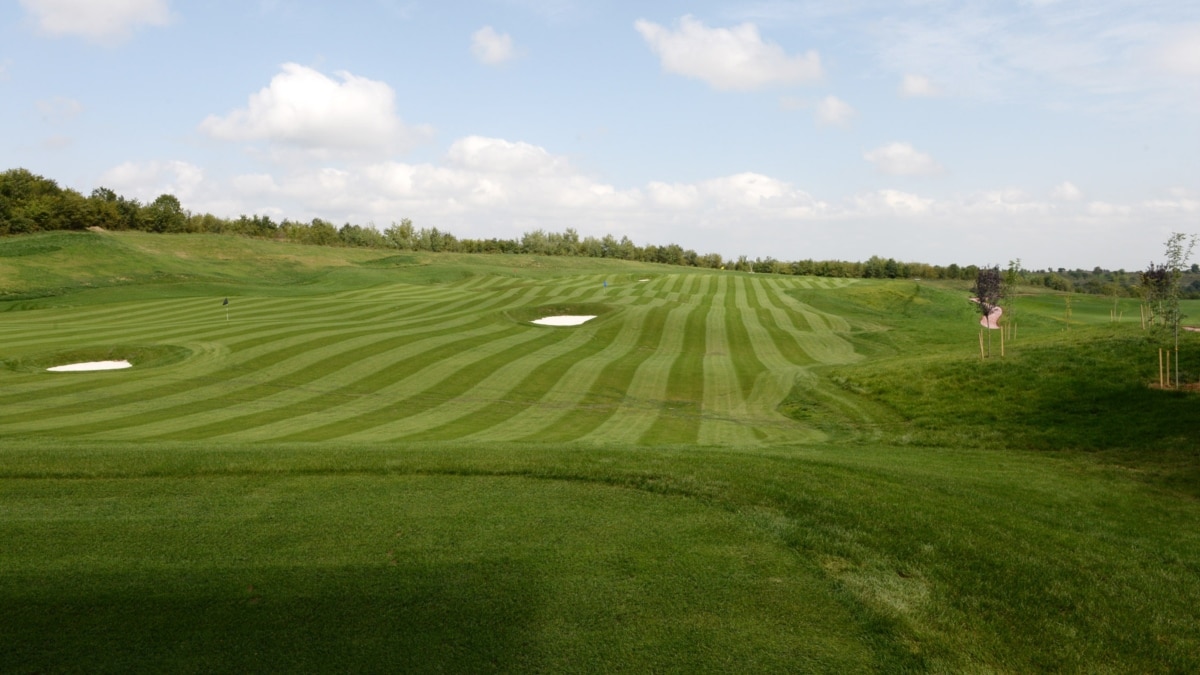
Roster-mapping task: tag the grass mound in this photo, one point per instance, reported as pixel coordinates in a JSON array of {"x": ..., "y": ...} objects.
[
  {"x": 528, "y": 314},
  {"x": 141, "y": 356}
]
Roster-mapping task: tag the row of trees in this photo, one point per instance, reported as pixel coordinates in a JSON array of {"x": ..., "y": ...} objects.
[{"x": 32, "y": 203}]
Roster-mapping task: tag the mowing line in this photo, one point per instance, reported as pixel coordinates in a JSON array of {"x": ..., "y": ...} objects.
[
  {"x": 610, "y": 390},
  {"x": 293, "y": 353},
  {"x": 569, "y": 389},
  {"x": 723, "y": 408},
  {"x": 424, "y": 389},
  {"x": 172, "y": 400},
  {"x": 647, "y": 391},
  {"x": 339, "y": 377},
  {"x": 501, "y": 392},
  {"x": 263, "y": 339},
  {"x": 774, "y": 384},
  {"x": 679, "y": 416}
]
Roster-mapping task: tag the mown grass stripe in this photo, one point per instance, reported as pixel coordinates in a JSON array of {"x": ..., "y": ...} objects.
[
  {"x": 723, "y": 404},
  {"x": 381, "y": 386},
  {"x": 356, "y": 378},
  {"x": 427, "y": 388},
  {"x": 640, "y": 402},
  {"x": 132, "y": 389},
  {"x": 822, "y": 342},
  {"x": 781, "y": 327},
  {"x": 250, "y": 367},
  {"x": 777, "y": 379},
  {"x": 141, "y": 393},
  {"x": 135, "y": 409},
  {"x": 612, "y": 385},
  {"x": 557, "y": 388},
  {"x": 682, "y": 399},
  {"x": 504, "y": 392},
  {"x": 739, "y": 345}
]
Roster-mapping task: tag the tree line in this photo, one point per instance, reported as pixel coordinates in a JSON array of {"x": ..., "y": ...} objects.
[{"x": 32, "y": 203}]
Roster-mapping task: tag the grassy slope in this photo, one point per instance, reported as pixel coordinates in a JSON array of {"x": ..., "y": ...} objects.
[{"x": 913, "y": 509}]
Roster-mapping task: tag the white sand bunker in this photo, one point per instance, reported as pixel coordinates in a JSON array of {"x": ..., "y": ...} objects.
[
  {"x": 91, "y": 365},
  {"x": 563, "y": 320}
]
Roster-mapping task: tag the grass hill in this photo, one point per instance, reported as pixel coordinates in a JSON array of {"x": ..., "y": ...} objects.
[{"x": 371, "y": 461}]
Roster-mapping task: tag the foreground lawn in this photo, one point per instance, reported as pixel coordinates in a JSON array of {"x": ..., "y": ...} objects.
[{"x": 442, "y": 557}]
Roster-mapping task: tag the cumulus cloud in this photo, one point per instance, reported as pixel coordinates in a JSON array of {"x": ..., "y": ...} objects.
[
  {"x": 917, "y": 86},
  {"x": 833, "y": 111},
  {"x": 902, "y": 159},
  {"x": 109, "y": 21},
  {"x": 1067, "y": 192},
  {"x": 492, "y": 48},
  {"x": 147, "y": 180},
  {"x": 727, "y": 58},
  {"x": 304, "y": 109}
]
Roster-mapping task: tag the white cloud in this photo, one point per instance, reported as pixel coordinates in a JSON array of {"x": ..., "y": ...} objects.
[
  {"x": 677, "y": 196},
  {"x": 832, "y": 110},
  {"x": 891, "y": 202},
  {"x": 109, "y": 21},
  {"x": 1107, "y": 210},
  {"x": 148, "y": 180},
  {"x": 492, "y": 48},
  {"x": 917, "y": 86},
  {"x": 5, "y": 64},
  {"x": 496, "y": 155},
  {"x": 901, "y": 159},
  {"x": 1178, "y": 205},
  {"x": 303, "y": 109},
  {"x": 1067, "y": 192},
  {"x": 59, "y": 109},
  {"x": 1181, "y": 52},
  {"x": 727, "y": 58}
]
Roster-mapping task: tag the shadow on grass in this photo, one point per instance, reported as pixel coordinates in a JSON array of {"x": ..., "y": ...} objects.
[{"x": 393, "y": 618}]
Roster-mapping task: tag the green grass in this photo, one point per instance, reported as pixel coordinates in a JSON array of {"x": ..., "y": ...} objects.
[{"x": 377, "y": 463}]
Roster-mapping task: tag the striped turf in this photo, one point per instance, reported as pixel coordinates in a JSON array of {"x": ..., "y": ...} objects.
[{"x": 683, "y": 357}]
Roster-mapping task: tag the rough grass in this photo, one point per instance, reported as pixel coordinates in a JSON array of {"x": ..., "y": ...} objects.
[{"x": 375, "y": 463}]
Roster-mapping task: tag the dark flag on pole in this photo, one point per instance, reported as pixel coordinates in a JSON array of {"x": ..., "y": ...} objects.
[{"x": 226, "y": 301}]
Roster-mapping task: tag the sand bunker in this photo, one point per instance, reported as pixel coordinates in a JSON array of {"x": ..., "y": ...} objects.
[
  {"x": 91, "y": 365},
  {"x": 992, "y": 318},
  {"x": 563, "y": 320}
]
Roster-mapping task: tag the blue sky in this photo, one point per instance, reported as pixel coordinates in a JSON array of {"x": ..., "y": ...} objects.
[{"x": 1063, "y": 133}]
